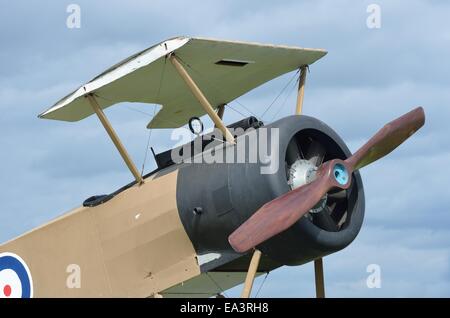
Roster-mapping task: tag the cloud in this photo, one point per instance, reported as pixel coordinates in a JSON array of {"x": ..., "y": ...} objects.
[{"x": 368, "y": 78}]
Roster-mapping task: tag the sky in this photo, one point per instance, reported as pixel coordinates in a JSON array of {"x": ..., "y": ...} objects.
[{"x": 368, "y": 77}]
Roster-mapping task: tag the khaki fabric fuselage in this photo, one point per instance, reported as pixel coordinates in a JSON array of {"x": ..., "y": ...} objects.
[{"x": 134, "y": 245}]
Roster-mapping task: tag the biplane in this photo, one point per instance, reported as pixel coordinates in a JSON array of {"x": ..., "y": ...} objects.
[{"x": 194, "y": 228}]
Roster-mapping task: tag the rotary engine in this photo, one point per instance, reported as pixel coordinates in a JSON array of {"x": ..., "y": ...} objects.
[{"x": 216, "y": 198}]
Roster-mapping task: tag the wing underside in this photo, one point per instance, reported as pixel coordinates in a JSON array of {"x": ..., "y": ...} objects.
[{"x": 223, "y": 70}]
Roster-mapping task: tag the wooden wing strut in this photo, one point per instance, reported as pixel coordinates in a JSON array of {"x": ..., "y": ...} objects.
[
  {"x": 115, "y": 139},
  {"x": 201, "y": 98}
]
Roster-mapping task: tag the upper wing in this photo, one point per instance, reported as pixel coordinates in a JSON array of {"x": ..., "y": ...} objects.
[{"x": 223, "y": 70}]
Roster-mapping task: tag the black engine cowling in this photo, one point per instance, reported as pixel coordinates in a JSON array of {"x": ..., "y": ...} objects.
[{"x": 215, "y": 198}]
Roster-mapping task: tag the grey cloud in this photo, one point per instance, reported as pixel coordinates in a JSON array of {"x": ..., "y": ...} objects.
[{"x": 368, "y": 78}]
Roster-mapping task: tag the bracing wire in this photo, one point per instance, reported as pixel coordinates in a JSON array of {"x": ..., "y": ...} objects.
[
  {"x": 217, "y": 285},
  {"x": 242, "y": 105},
  {"x": 145, "y": 113},
  {"x": 262, "y": 284},
  {"x": 285, "y": 99},
  {"x": 281, "y": 92},
  {"x": 126, "y": 106},
  {"x": 148, "y": 144},
  {"x": 161, "y": 79},
  {"x": 235, "y": 110},
  {"x": 138, "y": 111}
]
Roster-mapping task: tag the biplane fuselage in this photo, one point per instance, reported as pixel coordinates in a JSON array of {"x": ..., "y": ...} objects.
[
  {"x": 188, "y": 228},
  {"x": 135, "y": 244},
  {"x": 149, "y": 240},
  {"x": 131, "y": 246}
]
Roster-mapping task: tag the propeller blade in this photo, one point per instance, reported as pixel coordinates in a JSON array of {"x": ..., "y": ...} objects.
[
  {"x": 387, "y": 138},
  {"x": 281, "y": 213}
]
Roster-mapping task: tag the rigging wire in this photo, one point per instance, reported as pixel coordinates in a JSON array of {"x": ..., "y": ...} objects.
[
  {"x": 148, "y": 144},
  {"x": 262, "y": 284},
  {"x": 235, "y": 110},
  {"x": 217, "y": 285},
  {"x": 150, "y": 115},
  {"x": 242, "y": 105},
  {"x": 145, "y": 113},
  {"x": 138, "y": 111},
  {"x": 281, "y": 92},
  {"x": 285, "y": 99},
  {"x": 161, "y": 79},
  {"x": 127, "y": 107}
]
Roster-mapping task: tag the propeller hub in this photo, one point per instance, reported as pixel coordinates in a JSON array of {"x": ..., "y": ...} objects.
[{"x": 340, "y": 174}]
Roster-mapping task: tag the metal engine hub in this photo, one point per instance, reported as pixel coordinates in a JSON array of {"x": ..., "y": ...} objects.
[{"x": 301, "y": 172}]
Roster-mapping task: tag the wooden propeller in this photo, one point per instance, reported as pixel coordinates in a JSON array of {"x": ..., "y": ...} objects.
[{"x": 281, "y": 213}]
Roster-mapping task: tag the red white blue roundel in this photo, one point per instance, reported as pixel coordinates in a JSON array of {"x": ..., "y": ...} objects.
[{"x": 15, "y": 277}]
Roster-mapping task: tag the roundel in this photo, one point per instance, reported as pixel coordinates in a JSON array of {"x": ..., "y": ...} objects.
[{"x": 15, "y": 277}]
